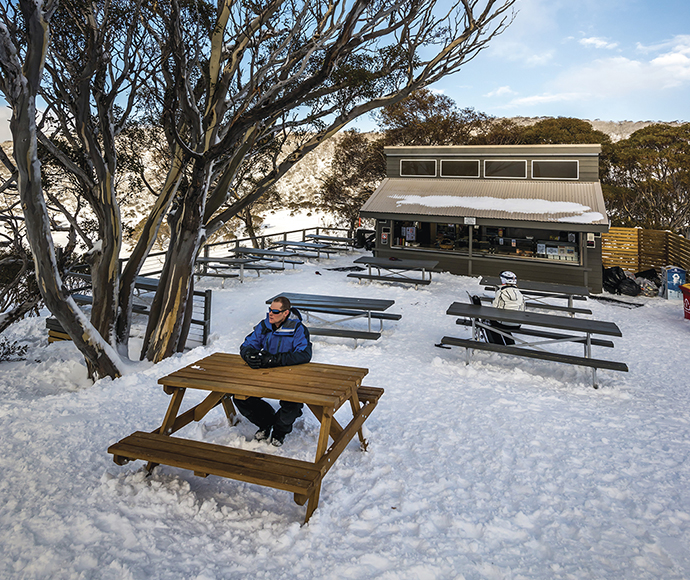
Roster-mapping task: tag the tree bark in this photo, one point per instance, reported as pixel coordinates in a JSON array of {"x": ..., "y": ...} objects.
[{"x": 164, "y": 334}]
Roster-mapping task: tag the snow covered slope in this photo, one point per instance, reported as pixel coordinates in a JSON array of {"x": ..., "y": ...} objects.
[{"x": 504, "y": 469}]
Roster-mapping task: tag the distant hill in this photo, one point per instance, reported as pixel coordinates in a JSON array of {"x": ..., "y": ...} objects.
[{"x": 617, "y": 130}]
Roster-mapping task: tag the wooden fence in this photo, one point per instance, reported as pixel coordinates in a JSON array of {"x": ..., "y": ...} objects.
[{"x": 636, "y": 250}]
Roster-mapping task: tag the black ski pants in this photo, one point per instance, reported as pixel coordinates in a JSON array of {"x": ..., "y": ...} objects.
[
  {"x": 264, "y": 416},
  {"x": 496, "y": 338}
]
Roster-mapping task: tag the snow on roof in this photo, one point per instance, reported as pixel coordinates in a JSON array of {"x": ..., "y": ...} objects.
[{"x": 540, "y": 201}]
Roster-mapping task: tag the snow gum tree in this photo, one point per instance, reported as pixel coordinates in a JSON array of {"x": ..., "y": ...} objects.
[
  {"x": 240, "y": 73},
  {"x": 648, "y": 184},
  {"x": 22, "y": 67}
]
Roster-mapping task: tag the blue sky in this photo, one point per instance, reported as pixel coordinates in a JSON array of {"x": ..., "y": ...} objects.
[{"x": 613, "y": 60}]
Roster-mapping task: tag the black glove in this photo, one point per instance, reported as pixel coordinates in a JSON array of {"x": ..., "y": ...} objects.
[
  {"x": 253, "y": 359},
  {"x": 269, "y": 360},
  {"x": 246, "y": 352}
]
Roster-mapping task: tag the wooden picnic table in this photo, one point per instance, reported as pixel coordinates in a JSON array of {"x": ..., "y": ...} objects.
[
  {"x": 577, "y": 330},
  {"x": 345, "y": 308},
  {"x": 543, "y": 289},
  {"x": 323, "y": 388},
  {"x": 398, "y": 270}
]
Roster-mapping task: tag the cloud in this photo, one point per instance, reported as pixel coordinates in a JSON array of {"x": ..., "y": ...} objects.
[
  {"x": 620, "y": 76},
  {"x": 544, "y": 98},
  {"x": 500, "y": 91},
  {"x": 598, "y": 43},
  {"x": 680, "y": 43}
]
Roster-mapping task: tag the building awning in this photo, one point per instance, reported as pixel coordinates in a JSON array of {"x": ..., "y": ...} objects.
[{"x": 578, "y": 203}]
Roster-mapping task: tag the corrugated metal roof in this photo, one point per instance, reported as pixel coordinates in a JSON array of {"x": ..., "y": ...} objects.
[{"x": 537, "y": 201}]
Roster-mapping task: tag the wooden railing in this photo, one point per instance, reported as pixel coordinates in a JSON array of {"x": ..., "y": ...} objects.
[{"x": 636, "y": 250}]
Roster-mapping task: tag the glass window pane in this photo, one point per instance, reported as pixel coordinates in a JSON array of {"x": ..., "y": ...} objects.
[
  {"x": 555, "y": 169},
  {"x": 459, "y": 168},
  {"x": 418, "y": 167},
  {"x": 505, "y": 169}
]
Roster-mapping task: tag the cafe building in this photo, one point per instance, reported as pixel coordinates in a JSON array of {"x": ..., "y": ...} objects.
[{"x": 537, "y": 210}]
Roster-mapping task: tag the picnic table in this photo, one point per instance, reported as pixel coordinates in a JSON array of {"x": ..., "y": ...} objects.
[
  {"x": 258, "y": 254},
  {"x": 333, "y": 241},
  {"x": 309, "y": 247},
  {"x": 323, "y": 388},
  {"x": 219, "y": 267},
  {"x": 344, "y": 308},
  {"x": 576, "y": 330},
  {"x": 398, "y": 270},
  {"x": 543, "y": 289}
]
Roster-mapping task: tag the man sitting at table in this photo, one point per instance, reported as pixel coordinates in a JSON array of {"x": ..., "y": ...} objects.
[
  {"x": 279, "y": 340},
  {"x": 508, "y": 297}
]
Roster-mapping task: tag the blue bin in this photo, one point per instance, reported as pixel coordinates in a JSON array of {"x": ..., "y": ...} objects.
[{"x": 672, "y": 278}]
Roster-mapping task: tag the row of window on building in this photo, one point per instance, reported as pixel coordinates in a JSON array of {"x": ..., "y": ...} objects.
[
  {"x": 488, "y": 240},
  {"x": 493, "y": 168}
]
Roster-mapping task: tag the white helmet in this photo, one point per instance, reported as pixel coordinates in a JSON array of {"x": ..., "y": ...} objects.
[{"x": 508, "y": 277}]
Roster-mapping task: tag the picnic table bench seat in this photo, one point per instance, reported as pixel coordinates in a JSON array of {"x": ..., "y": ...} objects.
[
  {"x": 299, "y": 477},
  {"x": 369, "y": 394},
  {"x": 345, "y": 312},
  {"x": 539, "y": 354},
  {"x": 546, "y": 334},
  {"x": 281, "y": 261},
  {"x": 390, "y": 278},
  {"x": 305, "y": 253},
  {"x": 343, "y": 333}
]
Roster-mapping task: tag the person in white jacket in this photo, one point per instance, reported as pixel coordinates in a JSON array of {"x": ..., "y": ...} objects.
[{"x": 508, "y": 297}]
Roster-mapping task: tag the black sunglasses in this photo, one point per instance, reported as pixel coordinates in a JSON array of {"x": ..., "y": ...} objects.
[{"x": 274, "y": 311}]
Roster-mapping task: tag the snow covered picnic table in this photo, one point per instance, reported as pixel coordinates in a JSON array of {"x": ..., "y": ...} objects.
[
  {"x": 583, "y": 329},
  {"x": 324, "y": 388}
]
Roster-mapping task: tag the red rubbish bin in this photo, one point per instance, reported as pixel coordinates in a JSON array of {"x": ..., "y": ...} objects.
[{"x": 685, "y": 288}]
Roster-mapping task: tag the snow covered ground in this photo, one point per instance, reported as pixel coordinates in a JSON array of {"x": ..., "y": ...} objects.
[{"x": 504, "y": 469}]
